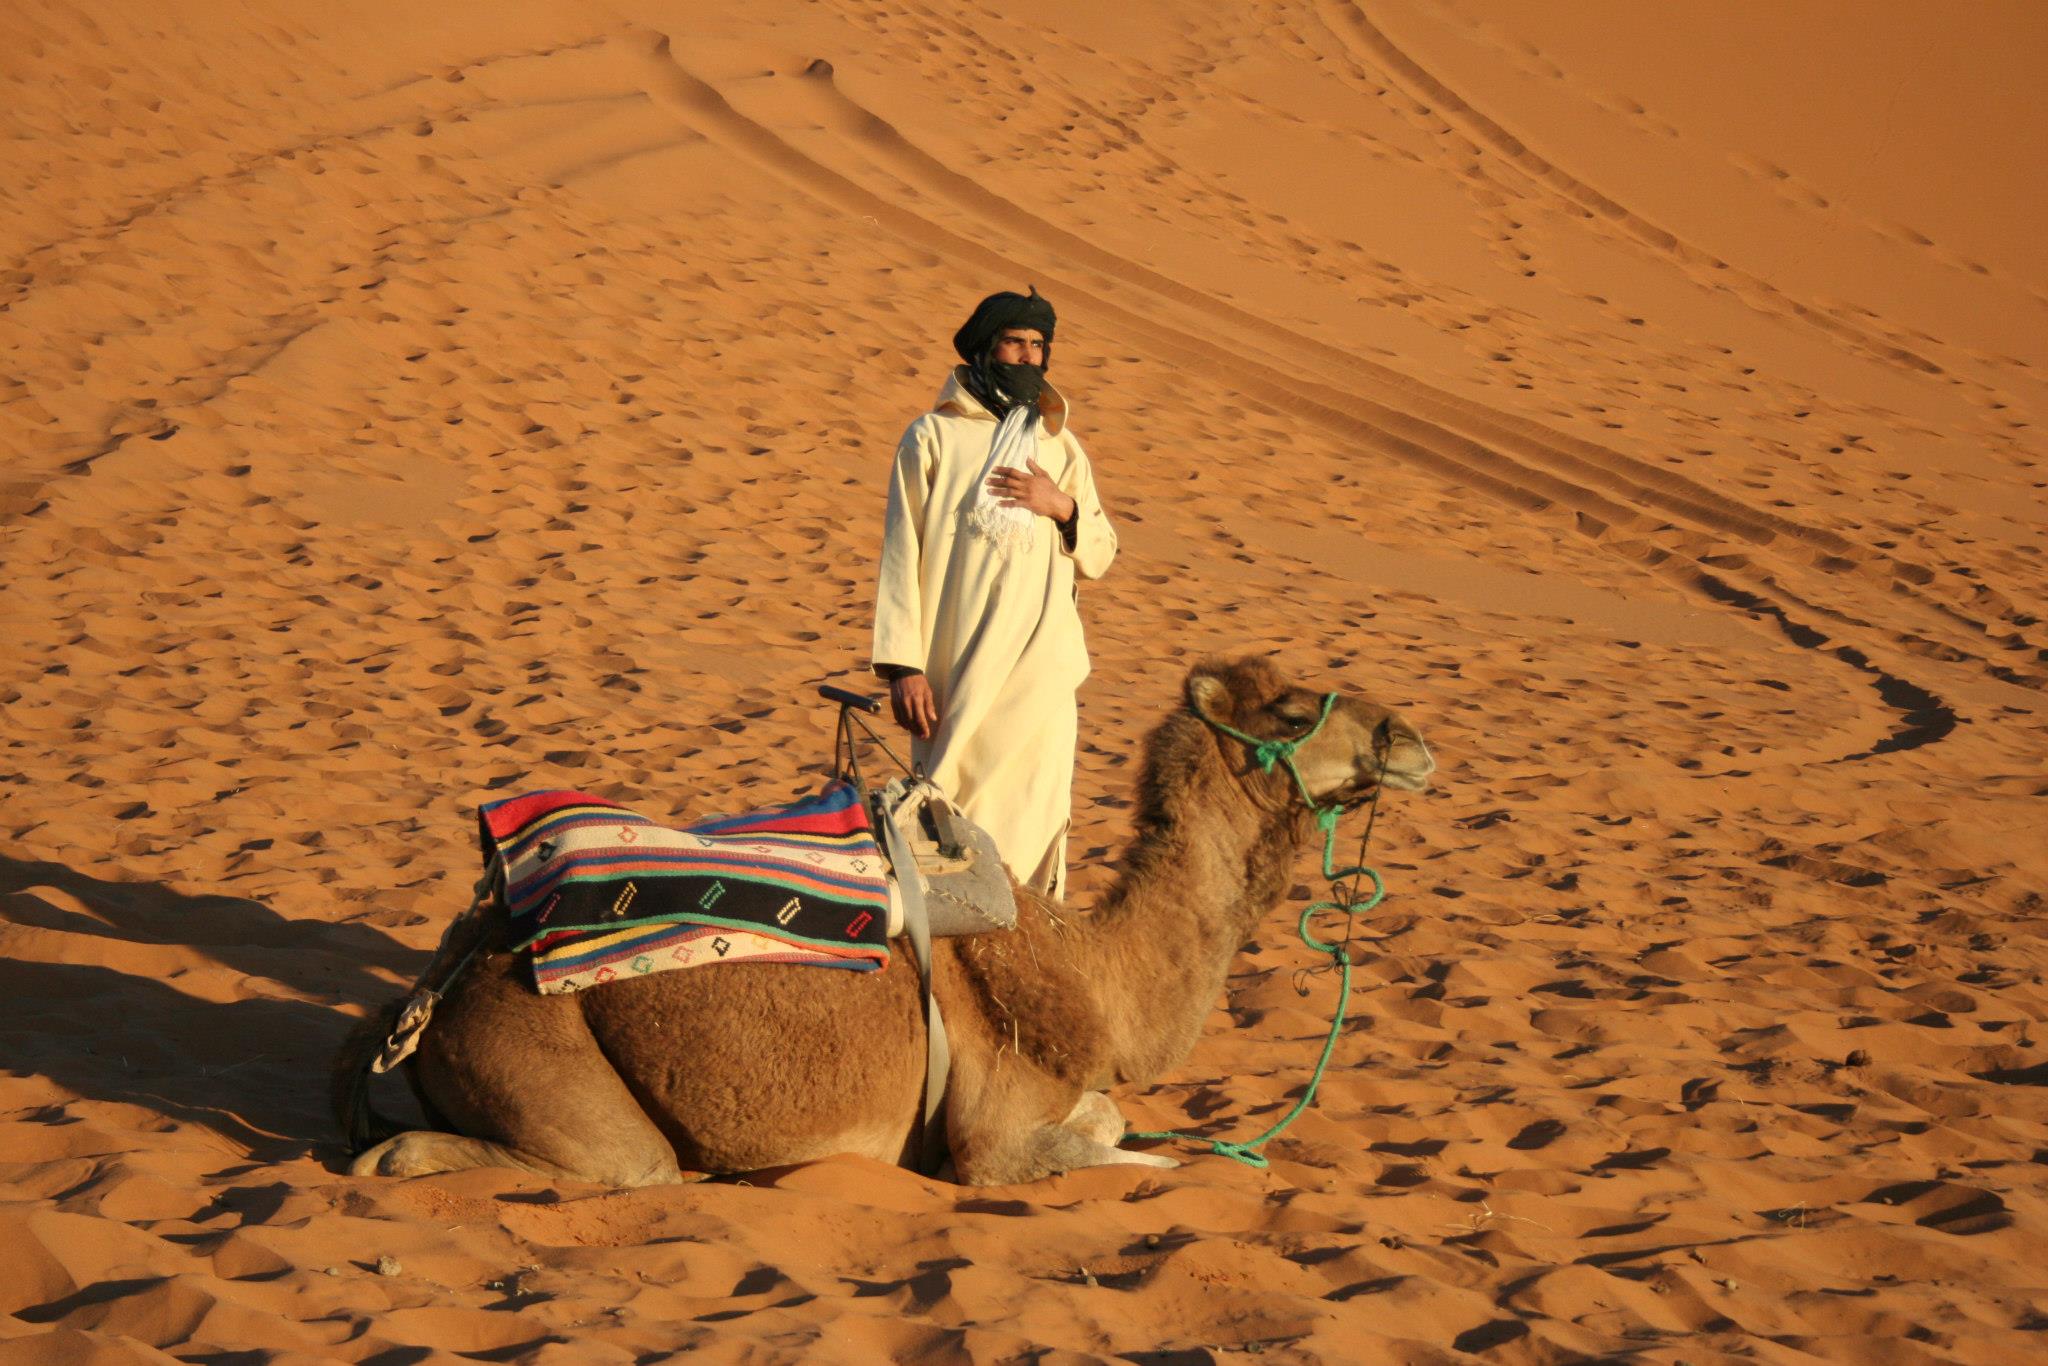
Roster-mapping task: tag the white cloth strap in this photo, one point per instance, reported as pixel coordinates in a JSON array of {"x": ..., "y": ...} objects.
[{"x": 938, "y": 1055}]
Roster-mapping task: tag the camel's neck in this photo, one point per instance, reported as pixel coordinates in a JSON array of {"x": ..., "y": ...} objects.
[{"x": 1206, "y": 867}]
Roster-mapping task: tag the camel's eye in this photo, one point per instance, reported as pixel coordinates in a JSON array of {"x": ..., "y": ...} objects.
[{"x": 1295, "y": 719}]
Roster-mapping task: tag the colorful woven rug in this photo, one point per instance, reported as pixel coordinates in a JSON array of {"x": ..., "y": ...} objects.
[{"x": 598, "y": 892}]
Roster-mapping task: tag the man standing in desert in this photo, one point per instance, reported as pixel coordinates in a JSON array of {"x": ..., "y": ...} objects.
[{"x": 992, "y": 516}]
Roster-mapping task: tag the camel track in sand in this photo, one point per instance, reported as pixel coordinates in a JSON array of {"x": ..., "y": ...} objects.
[
  {"x": 22, "y": 274},
  {"x": 1662, "y": 521},
  {"x": 1597, "y": 465},
  {"x": 1819, "y": 586},
  {"x": 1368, "y": 43},
  {"x": 73, "y": 257}
]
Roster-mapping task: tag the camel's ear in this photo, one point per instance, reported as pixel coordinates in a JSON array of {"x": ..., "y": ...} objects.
[
  {"x": 1210, "y": 690},
  {"x": 1209, "y": 696},
  {"x": 1224, "y": 689}
]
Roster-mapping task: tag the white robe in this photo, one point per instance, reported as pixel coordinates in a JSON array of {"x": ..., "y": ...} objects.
[{"x": 998, "y": 634}]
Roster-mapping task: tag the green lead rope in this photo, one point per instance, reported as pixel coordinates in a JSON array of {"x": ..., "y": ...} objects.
[{"x": 1268, "y": 754}]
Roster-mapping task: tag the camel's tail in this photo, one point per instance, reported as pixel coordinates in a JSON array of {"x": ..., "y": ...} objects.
[{"x": 349, "y": 1086}]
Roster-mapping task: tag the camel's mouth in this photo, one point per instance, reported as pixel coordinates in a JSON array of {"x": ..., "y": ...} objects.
[
  {"x": 1361, "y": 789},
  {"x": 1401, "y": 761},
  {"x": 1404, "y": 781}
]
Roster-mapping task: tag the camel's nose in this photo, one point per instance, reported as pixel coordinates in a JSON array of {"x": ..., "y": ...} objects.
[{"x": 1408, "y": 760}]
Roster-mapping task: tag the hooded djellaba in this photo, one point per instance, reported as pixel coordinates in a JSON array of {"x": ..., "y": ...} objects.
[{"x": 981, "y": 599}]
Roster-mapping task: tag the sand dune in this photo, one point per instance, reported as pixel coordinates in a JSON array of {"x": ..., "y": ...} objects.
[{"x": 424, "y": 402}]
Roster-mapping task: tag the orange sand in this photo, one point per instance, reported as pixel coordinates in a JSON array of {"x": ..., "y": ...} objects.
[{"x": 404, "y": 402}]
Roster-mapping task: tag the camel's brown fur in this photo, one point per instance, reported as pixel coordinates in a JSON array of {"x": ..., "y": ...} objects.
[{"x": 750, "y": 1065}]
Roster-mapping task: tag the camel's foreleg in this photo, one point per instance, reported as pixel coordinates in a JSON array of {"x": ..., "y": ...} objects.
[
  {"x": 999, "y": 1132},
  {"x": 1095, "y": 1116},
  {"x": 1060, "y": 1148},
  {"x": 1098, "y": 1127}
]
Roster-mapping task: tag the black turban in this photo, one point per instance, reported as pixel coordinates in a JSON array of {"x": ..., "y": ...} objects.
[
  {"x": 997, "y": 312},
  {"x": 999, "y": 387}
]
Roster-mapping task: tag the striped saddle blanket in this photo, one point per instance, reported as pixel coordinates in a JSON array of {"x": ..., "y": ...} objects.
[{"x": 597, "y": 892}]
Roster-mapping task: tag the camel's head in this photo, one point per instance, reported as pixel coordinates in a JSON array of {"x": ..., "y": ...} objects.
[{"x": 1359, "y": 746}]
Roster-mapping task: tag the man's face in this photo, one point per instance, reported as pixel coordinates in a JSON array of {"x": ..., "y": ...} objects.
[{"x": 1020, "y": 346}]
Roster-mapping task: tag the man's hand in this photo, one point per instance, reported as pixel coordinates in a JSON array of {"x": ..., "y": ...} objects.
[
  {"x": 1034, "y": 490},
  {"x": 917, "y": 711}
]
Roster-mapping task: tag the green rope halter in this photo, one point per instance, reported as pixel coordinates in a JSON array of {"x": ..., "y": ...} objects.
[{"x": 1267, "y": 755}]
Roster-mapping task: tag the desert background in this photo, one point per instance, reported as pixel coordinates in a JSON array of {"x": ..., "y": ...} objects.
[{"x": 405, "y": 404}]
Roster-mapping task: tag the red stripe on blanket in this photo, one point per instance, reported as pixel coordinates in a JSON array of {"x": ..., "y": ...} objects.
[{"x": 507, "y": 818}]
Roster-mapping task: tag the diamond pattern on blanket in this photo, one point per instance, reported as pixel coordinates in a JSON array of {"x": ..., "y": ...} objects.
[{"x": 599, "y": 892}]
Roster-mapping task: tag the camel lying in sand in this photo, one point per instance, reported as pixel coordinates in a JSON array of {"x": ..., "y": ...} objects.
[{"x": 743, "y": 1066}]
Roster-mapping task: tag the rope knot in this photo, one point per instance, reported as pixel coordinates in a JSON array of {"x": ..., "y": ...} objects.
[{"x": 1269, "y": 753}]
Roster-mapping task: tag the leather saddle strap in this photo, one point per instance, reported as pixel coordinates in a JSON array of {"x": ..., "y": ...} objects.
[{"x": 938, "y": 1056}]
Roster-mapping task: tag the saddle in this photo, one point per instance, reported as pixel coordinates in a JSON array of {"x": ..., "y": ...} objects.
[{"x": 954, "y": 863}]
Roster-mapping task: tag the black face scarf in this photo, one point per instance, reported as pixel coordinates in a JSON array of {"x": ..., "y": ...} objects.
[
  {"x": 1001, "y": 387},
  {"x": 1016, "y": 383}
]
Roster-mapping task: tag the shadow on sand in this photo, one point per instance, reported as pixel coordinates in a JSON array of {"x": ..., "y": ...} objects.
[{"x": 110, "y": 1022}]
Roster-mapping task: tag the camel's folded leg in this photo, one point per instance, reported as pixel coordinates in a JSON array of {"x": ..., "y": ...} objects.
[
  {"x": 1061, "y": 1148},
  {"x": 1095, "y": 1116},
  {"x": 990, "y": 1152},
  {"x": 524, "y": 1069},
  {"x": 424, "y": 1152}
]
